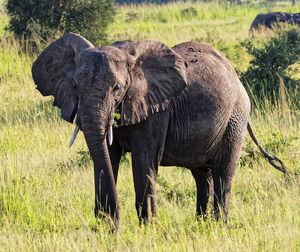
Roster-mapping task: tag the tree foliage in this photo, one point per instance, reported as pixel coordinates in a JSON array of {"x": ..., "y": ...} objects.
[
  {"x": 271, "y": 64},
  {"x": 48, "y": 18}
]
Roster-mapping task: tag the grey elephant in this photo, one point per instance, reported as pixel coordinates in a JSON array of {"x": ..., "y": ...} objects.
[
  {"x": 181, "y": 106},
  {"x": 272, "y": 18}
]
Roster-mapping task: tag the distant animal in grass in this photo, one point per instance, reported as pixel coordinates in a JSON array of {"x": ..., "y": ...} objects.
[{"x": 270, "y": 19}]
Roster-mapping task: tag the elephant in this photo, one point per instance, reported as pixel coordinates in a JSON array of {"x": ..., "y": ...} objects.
[
  {"x": 269, "y": 19},
  {"x": 180, "y": 106}
]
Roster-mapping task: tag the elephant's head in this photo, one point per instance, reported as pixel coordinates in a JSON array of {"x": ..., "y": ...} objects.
[{"x": 138, "y": 78}]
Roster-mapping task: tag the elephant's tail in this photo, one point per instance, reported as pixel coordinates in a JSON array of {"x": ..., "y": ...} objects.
[{"x": 268, "y": 156}]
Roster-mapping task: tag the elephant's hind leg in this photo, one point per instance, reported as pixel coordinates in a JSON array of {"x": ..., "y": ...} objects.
[
  {"x": 224, "y": 166},
  {"x": 205, "y": 189}
]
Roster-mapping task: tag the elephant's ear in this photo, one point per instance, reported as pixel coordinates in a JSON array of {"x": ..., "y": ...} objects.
[
  {"x": 158, "y": 74},
  {"x": 53, "y": 71}
]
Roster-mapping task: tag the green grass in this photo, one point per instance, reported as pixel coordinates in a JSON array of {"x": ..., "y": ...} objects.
[
  {"x": 222, "y": 26},
  {"x": 3, "y": 23},
  {"x": 4, "y": 19},
  {"x": 46, "y": 188}
]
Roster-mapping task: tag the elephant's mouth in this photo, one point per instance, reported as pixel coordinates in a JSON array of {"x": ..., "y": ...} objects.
[{"x": 109, "y": 127}]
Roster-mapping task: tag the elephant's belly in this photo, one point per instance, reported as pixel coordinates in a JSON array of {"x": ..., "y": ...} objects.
[
  {"x": 191, "y": 149},
  {"x": 183, "y": 161},
  {"x": 196, "y": 126}
]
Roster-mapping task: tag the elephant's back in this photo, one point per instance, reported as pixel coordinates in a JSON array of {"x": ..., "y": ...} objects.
[
  {"x": 207, "y": 64},
  {"x": 195, "y": 52},
  {"x": 212, "y": 74}
]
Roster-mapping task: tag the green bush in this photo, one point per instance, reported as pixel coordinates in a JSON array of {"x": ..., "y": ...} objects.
[
  {"x": 189, "y": 12},
  {"x": 50, "y": 18},
  {"x": 270, "y": 67}
]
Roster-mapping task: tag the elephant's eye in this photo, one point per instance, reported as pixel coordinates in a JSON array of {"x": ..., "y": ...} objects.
[{"x": 116, "y": 88}]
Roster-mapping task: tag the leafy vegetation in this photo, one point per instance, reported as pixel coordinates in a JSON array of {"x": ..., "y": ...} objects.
[
  {"x": 47, "y": 19},
  {"x": 46, "y": 189},
  {"x": 270, "y": 64}
]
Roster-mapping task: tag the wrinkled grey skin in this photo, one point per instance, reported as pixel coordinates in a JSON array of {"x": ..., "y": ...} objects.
[
  {"x": 270, "y": 19},
  {"x": 181, "y": 106}
]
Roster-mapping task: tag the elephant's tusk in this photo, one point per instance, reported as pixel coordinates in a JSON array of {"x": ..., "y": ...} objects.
[
  {"x": 76, "y": 130},
  {"x": 110, "y": 135}
]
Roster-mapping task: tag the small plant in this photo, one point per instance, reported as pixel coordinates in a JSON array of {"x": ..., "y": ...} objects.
[
  {"x": 270, "y": 65},
  {"x": 132, "y": 16},
  {"x": 189, "y": 12},
  {"x": 117, "y": 119},
  {"x": 81, "y": 160}
]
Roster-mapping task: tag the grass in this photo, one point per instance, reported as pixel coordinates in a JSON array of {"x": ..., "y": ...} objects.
[
  {"x": 46, "y": 189},
  {"x": 222, "y": 26}
]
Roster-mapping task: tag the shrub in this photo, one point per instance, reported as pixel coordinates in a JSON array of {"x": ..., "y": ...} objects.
[
  {"x": 189, "y": 12},
  {"x": 270, "y": 65},
  {"x": 49, "y": 18}
]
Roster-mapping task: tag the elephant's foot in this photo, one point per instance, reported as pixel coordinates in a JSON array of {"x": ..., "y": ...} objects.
[
  {"x": 112, "y": 218},
  {"x": 147, "y": 210}
]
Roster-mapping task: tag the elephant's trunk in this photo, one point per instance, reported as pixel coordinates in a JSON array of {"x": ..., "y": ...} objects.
[{"x": 95, "y": 128}]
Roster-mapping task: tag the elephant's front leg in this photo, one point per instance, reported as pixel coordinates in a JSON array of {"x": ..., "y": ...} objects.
[
  {"x": 115, "y": 153},
  {"x": 147, "y": 146},
  {"x": 145, "y": 173}
]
